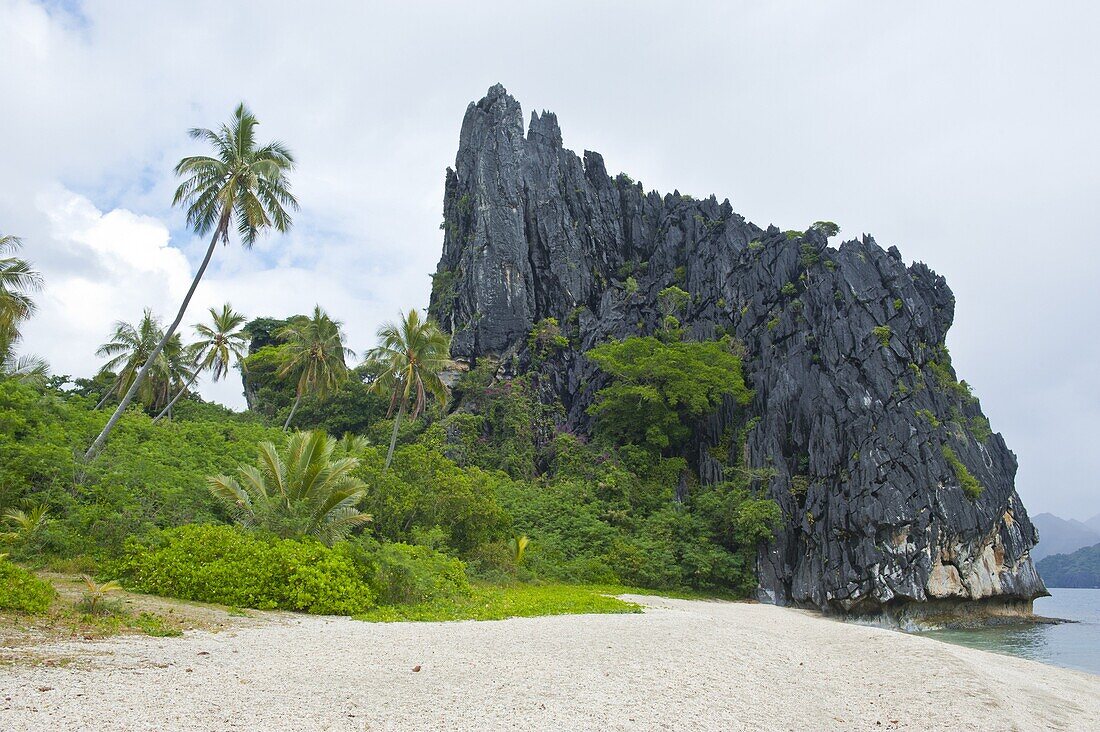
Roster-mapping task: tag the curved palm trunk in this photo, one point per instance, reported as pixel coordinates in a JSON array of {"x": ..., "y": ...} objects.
[
  {"x": 109, "y": 393},
  {"x": 168, "y": 410},
  {"x": 393, "y": 438},
  {"x": 121, "y": 409},
  {"x": 293, "y": 409}
]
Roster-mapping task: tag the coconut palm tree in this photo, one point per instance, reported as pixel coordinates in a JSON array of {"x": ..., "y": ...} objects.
[
  {"x": 18, "y": 279},
  {"x": 243, "y": 185},
  {"x": 31, "y": 370},
  {"x": 412, "y": 354},
  {"x": 220, "y": 343},
  {"x": 314, "y": 354},
  {"x": 132, "y": 346},
  {"x": 176, "y": 369},
  {"x": 303, "y": 490}
]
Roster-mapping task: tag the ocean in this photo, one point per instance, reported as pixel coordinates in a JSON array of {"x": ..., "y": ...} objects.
[{"x": 1071, "y": 645}]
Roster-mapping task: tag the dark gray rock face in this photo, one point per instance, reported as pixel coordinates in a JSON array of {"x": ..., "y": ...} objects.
[{"x": 855, "y": 396}]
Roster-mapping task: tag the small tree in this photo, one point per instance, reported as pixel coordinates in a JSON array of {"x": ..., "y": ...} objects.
[
  {"x": 219, "y": 345},
  {"x": 305, "y": 489},
  {"x": 315, "y": 355},
  {"x": 658, "y": 388},
  {"x": 411, "y": 356}
]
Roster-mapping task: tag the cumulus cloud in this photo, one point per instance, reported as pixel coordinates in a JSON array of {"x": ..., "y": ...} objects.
[{"x": 99, "y": 268}]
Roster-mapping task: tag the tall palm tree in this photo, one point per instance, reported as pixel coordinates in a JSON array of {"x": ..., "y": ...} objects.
[
  {"x": 412, "y": 354},
  {"x": 18, "y": 279},
  {"x": 242, "y": 184},
  {"x": 314, "y": 353},
  {"x": 303, "y": 490},
  {"x": 219, "y": 344}
]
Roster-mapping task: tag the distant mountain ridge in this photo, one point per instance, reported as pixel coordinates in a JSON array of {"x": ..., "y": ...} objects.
[{"x": 1063, "y": 536}]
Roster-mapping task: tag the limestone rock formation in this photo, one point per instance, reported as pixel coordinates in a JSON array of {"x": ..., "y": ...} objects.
[{"x": 871, "y": 440}]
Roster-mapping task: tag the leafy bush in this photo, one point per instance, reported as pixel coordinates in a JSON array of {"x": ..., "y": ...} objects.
[
  {"x": 882, "y": 333},
  {"x": 148, "y": 477},
  {"x": 929, "y": 416},
  {"x": 412, "y": 574},
  {"x": 423, "y": 489},
  {"x": 546, "y": 339},
  {"x": 22, "y": 591},
  {"x": 229, "y": 566}
]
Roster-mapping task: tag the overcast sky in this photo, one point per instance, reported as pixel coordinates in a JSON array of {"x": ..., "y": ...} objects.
[{"x": 966, "y": 134}]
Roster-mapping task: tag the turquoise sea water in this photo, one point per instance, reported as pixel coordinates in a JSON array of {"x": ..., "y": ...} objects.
[{"x": 1072, "y": 645}]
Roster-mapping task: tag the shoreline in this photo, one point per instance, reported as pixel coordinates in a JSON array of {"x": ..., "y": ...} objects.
[{"x": 682, "y": 664}]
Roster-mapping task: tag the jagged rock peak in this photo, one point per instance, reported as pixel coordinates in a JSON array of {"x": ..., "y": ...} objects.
[{"x": 869, "y": 441}]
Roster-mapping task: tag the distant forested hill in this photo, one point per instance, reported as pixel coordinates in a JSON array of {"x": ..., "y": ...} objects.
[{"x": 1080, "y": 569}]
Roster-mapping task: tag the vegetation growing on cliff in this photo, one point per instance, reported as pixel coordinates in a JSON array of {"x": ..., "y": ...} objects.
[{"x": 659, "y": 387}]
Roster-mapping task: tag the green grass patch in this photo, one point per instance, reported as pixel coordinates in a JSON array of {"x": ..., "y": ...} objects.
[
  {"x": 493, "y": 602},
  {"x": 970, "y": 485}
]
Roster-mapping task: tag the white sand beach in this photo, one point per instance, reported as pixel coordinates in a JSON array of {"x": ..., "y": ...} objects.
[{"x": 682, "y": 665}]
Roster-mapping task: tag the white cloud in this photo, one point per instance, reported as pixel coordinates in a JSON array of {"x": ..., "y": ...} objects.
[{"x": 99, "y": 268}]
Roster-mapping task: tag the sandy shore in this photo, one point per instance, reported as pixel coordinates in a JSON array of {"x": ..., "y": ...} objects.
[{"x": 682, "y": 665}]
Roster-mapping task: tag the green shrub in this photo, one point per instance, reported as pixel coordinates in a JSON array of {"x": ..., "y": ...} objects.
[
  {"x": 226, "y": 565},
  {"x": 810, "y": 255},
  {"x": 789, "y": 290},
  {"x": 546, "y": 339},
  {"x": 979, "y": 427},
  {"x": 966, "y": 479},
  {"x": 23, "y": 592},
  {"x": 828, "y": 228},
  {"x": 928, "y": 415},
  {"x": 944, "y": 374},
  {"x": 882, "y": 333},
  {"x": 414, "y": 574}
]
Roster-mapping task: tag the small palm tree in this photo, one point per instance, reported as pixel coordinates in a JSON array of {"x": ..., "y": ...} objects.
[
  {"x": 26, "y": 524},
  {"x": 315, "y": 355},
  {"x": 519, "y": 548},
  {"x": 243, "y": 184},
  {"x": 132, "y": 348},
  {"x": 18, "y": 279},
  {"x": 95, "y": 594},
  {"x": 303, "y": 490},
  {"x": 412, "y": 354},
  {"x": 219, "y": 345}
]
